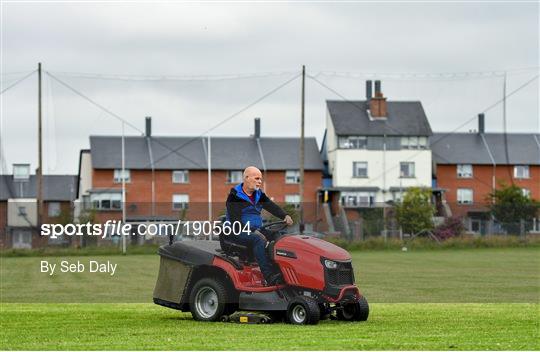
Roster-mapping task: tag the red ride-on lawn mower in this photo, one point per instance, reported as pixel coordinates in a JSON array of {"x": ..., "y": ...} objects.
[{"x": 215, "y": 279}]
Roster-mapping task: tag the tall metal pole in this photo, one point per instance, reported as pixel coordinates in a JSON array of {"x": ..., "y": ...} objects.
[
  {"x": 302, "y": 151},
  {"x": 209, "y": 182},
  {"x": 124, "y": 240},
  {"x": 40, "y": 165}
]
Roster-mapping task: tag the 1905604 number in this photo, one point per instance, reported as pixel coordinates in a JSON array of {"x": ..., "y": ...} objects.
[{"x": 216, "y": 228}]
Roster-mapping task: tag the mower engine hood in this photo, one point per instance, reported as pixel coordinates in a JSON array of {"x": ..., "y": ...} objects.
[{"x": 312, "y": 245}]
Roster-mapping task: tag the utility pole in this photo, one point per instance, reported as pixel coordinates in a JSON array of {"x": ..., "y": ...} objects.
[
  {"x": 302, "y": 151},
  {"x": 124, "y": 239},
  {"x": 209, "y": 182},
  {"x": 39, "y": 175}
]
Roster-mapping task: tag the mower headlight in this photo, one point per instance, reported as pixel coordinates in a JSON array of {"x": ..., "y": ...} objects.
[{"x": 330, "y": 264}]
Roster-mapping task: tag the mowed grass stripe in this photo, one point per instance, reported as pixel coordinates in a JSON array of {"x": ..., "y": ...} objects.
[
  {"x": 149, "y": 327},
  {"x": 474, "y": 275}
]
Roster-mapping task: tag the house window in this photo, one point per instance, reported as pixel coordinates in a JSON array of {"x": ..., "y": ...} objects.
[
  {"x": 357, "y": 199},
  {"x": 234, "y": 176},
  {"x": 86, "y": 201},
  {"x": 406, "y": 169},
  {"x": 526, "y": 192},
  {"x": 180, "y": 201},
  {"x": 292, "y": 176},
  {"x": 414, "y": 142},
  {"x": 180, "y": 176},
  {"x": 360, "y": 169},
  {"x": 122, "y": 175},
  {"x": 353, "y": 142},
  {"x": 53, "y": 209},
  {"x": 293, "y": 199},
  {"x": 464, "y": 171},
  {"x": 21, "y": 171},
  {"x": 106, "y": 201},
  {"x": 464, "y": 196},
  {"x": 521, "y": 171},
  {"x": 22, "y": 239}
]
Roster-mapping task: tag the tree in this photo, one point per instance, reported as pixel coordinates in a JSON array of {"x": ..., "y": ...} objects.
[
  {"x": 415, "y": 212},
  {"x": 510, "y": 206}
]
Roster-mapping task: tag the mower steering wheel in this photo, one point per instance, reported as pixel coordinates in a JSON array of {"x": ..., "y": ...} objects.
[{"x": 274, "y": 226}]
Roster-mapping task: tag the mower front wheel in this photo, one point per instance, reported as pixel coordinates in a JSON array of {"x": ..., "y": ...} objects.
[
  {"x": 303, "y": 310},
  {"x": 208, "y": 300},
  {"x": 357, "y": 311}
]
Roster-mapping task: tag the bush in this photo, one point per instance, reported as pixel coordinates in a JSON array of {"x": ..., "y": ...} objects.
[
  {"x": 451, "y": 227},
  {"x": 415, "y": 213}
]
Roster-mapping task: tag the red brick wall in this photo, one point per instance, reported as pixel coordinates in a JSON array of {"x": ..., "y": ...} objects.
[
  {"x": 139, "y": 191},
  {"x": 481, "y": 184}
]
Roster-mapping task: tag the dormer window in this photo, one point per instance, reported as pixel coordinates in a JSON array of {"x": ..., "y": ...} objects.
[{"x": 21, "y": 171}]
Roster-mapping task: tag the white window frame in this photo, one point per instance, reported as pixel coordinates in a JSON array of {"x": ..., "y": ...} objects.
[
  {"x": 355, "y": 169},
  {"x": 462, "y": 172},
  {"x": 106, "y": 201},
  {"x": 292, "y": 176},
  {"x": 410, "y": 165},
  {"x": 526, "y": 192},
  {"x": 352, "y": 142},
  {"x": 53, "y": 209},
  {"x": 293, "y": 199},
  {"x": 461, "y": 192},
  {"x": 180, "y": 176},
  {"x": 414, "y": 142},
  {"x": 180, "y": 201},
  {"x": 21, "y": 171},
  {"x": 525, "y": 172},
  {"x": 357, "y": 199},
  {"x": 239, "y": 178},
  {"x": 117, "y": 177}
]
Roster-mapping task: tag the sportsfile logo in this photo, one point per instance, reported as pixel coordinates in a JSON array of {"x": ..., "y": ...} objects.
[{"x": 114, "y": 227}]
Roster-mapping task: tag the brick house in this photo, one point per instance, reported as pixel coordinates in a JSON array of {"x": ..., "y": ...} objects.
[
  {"x": 166, "y": 185},
  {"x": 469, "y": 166},
  {"x": 18, "y": 207}
]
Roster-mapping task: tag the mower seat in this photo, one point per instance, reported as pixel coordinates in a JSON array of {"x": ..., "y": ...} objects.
[{"x": 232, "y": 249}]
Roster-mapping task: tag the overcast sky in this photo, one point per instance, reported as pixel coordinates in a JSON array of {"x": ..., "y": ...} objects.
[{"x": 126, "y": 45}]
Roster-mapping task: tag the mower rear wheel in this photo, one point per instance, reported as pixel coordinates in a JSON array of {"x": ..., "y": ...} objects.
[
  {"x": 208, "y": 300},
  {"x": 303, "y": 310},
  {"x": 357, "y": 311}
]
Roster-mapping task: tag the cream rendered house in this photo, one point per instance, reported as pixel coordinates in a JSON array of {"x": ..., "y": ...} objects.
[{"x": 376, "y": 149}]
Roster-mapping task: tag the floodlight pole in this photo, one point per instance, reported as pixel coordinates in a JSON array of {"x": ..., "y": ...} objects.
[
  {"x": 302, "y": 152},
  {"x": 39, "y": 172},
  {"x": 124, "y": 244}
]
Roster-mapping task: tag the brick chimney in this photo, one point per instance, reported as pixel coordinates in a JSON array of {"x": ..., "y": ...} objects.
[{"x": 377, "y": 104}]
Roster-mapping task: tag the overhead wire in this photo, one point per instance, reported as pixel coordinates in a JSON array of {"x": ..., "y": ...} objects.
[
  {"x": 171, "y": 78},
  {"x": 488, "y": 108},
  {"x": 121, "y": 119},
  {"x": 17, "y": 82},
  {"x": 230, "y": 117},
  {"x": 425, "y": 76}
]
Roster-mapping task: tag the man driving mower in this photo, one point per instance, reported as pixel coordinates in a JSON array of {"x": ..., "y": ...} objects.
[{"x": 244, "y": 204}]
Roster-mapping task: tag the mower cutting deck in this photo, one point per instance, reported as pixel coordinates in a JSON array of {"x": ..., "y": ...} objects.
[{"x": 215, "y": 279}]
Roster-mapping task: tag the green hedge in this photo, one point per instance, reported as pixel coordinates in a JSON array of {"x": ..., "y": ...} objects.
[
  {"x": 461, "y": 242},
  {"x": 374, "y": 243}
]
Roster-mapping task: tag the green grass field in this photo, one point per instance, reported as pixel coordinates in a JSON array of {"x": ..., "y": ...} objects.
[{"x": 451, "y": 299}]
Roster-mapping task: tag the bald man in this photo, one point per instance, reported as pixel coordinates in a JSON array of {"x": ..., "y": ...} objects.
[{"x": 244, "y": 204}]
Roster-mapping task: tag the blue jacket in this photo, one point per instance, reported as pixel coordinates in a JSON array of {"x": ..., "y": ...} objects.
[{"x": 241, "y": 208}]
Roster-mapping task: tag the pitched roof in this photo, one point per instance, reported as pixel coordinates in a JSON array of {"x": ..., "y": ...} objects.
[
  {"x": 405, "y": 118},
  {"x": 228, "y": 153},
  {"x": 469, "y": 148},
  {"x": 55, "y": 187}
]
